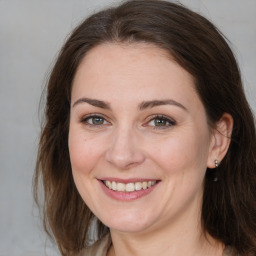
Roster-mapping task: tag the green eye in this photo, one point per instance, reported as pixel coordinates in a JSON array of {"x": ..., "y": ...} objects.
[
  {"x": 160, "y": 122},
  {"x": 96, "y": 120}
]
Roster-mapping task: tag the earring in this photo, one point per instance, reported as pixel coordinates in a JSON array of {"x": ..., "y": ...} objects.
[{"x": 215, "y": 179}]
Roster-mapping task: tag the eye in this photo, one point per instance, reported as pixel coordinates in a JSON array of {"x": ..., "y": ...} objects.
[
  {"x": 94, "y": 120},
  {"x": 161, "y": 122}
]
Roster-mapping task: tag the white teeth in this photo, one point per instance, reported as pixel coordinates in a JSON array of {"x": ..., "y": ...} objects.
[
  {"x": 112, "y": 185},
  {"x": 138, "y": 185},
  {"x": 129, "y": 187},
  {"x": 144, "y": 185},
  {"x": 120, "y": 187}
]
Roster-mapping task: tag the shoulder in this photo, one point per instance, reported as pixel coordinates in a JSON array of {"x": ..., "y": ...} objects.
[{"x": 99, "y": 248}]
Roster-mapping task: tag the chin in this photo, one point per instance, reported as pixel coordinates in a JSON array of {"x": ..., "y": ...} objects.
[{"x": 131, "y": 222}]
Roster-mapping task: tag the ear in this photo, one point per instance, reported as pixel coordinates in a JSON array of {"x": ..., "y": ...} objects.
[{"x": 220, "y": 140}]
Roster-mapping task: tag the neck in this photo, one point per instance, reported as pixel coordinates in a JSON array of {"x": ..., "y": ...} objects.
[{"x": 126, "y": 245}]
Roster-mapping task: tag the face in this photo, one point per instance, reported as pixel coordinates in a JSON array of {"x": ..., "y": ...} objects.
[{"x": 139, "y": 141}]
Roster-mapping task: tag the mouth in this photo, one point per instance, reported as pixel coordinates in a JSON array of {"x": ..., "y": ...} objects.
[
  {"x": 130, "y": 186},
  {"x": 128, "y": 189}
]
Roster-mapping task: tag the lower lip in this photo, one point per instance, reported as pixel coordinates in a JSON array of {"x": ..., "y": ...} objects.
[{"x": 127, "y": 196}]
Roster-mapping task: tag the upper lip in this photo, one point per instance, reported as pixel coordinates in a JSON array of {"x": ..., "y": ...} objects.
[{"x": 126, "y": 181}]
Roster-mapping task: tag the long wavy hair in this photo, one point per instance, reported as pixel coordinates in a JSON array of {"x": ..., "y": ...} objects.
[{"x": 229, "y": 205}]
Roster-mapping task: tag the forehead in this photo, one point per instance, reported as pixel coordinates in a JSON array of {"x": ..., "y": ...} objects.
[{"x": 138, "y": 69}]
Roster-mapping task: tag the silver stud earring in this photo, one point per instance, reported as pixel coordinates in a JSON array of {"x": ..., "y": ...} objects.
[{"x": 215, "y": 179}]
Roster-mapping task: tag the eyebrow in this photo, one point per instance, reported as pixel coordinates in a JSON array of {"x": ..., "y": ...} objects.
[
  {"x": 142, "y": 106},
  {"x": 93, "y": 102},
  {"x": 155, "y": 103}
]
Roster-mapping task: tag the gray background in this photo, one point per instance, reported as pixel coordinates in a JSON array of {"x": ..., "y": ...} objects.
[{"x": 31, "y": 33}]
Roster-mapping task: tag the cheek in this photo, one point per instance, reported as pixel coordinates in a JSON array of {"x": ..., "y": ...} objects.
[
  {"x": 182, "y": 153},
  {"x": 84, "y": 152},
  {"x": 84, "y": 156}
]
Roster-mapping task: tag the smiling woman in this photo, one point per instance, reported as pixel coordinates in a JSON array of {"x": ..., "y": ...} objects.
[
  {"x": 141, "y": 138},
  {"x": 149, "y": 134}
]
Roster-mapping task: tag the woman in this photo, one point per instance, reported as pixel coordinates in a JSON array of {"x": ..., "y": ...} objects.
[{"x": 148, "y": 138}]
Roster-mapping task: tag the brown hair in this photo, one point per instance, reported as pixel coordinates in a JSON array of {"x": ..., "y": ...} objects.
[{"x": 229, "y": 205}]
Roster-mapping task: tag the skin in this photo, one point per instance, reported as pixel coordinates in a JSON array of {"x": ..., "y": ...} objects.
[{"x": 129, "y": 143}]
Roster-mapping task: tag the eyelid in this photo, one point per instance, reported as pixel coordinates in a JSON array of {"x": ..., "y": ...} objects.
[
  {"x": 94, "y": 115},
  {"x": 170, "y": 120}
]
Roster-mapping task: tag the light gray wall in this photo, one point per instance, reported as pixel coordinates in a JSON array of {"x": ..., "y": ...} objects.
[{"x": 31, "y": 32}]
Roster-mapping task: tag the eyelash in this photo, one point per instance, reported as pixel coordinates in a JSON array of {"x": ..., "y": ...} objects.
[
  {"x": 86, "y": 119},
  {"x": 170, "y": 121},
  {"x": 164, "y": 118}
]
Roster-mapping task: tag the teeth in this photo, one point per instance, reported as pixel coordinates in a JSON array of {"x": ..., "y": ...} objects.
[
  {"x": 120, "y": 187},
  {"x": 138, "y": 185},
  {"x": 144, "y": 185},
  {"x": 129, "y": 187}
]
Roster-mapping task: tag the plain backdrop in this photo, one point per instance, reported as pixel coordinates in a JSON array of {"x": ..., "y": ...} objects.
[{"x": 31, "y": 33}]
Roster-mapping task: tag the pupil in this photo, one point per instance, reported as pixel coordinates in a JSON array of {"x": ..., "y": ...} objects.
[
  {"x": 97, "y": 120},
  {"x": 160, "y": 122}
]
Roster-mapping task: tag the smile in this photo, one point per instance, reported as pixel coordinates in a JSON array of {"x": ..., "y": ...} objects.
[{"x": 129, "y": 187}]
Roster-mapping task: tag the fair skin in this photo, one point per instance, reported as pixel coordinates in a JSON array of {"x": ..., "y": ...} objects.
[{"x": 135, "y": 117}]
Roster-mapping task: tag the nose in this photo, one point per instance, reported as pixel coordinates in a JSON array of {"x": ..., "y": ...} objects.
[{"x": 124, "y": 151}]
